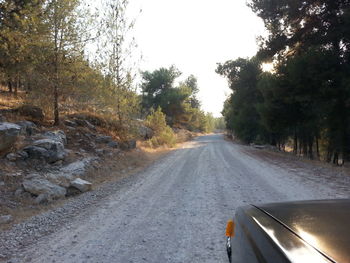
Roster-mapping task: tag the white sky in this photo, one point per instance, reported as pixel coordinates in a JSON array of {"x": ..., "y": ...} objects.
[{"x": 194, "y": 35}]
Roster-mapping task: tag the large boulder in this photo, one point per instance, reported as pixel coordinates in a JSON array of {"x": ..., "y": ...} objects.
[
  {"x": 59, "y": 136},
  {"x": 48, "y": 144},
  {"x": 67, "y": 174},
  {"x": 84, "y": 123},
  {"x": 113, "y": 144},
  {"x": 103, "y": 139},
  {"x": 91, "y": 118},
  {"x": 42, "y": 198},
  {"x": 39, "y": 185},
  {"x": 12, "y": 157},
  {"x": 8, "y": 135},
  {"x": 61, "y": 179},
  {"x": 81, "y": 185},
  {"x": 31, "y": 111},
  {"x": 35, "y": 152},
  {"x": 128, "y": 145},
  {"x": 19, "y": 156},
  {"x": 49, "y": 150},
  {"x": 78, "y": 168},
  {"x": 70, "y": 123},
  {"x": 27, "y": 127}
]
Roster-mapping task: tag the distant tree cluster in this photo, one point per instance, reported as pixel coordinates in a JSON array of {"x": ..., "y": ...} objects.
[
  {"x": 179, "y": 103},
  {"x": 305, "y": 101}
]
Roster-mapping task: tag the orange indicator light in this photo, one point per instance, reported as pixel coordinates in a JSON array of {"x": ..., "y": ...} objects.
[{"x": 230, "y": 228}]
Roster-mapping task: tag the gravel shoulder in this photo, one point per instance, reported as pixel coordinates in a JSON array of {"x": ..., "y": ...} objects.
[{"x": 174, "y": 211}]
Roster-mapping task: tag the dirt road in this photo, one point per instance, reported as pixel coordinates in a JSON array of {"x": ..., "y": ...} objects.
[{"x": 176, "y": 210}]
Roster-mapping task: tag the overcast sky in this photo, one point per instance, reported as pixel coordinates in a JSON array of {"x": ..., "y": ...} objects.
[{"x": 194, "y": 35}]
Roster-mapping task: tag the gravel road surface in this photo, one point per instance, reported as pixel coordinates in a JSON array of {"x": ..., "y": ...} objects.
[{"x": 176, "y": 210}]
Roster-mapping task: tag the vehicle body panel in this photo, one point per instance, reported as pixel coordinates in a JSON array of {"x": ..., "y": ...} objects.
[
  {"x": 261, "y": 238},
  {"x": 325, "y": 225}
]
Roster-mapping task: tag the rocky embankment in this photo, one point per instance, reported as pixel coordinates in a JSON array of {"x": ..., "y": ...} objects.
[{"x": 39, "y": 165}]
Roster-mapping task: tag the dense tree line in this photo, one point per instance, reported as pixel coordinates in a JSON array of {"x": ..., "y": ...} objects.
[
  {"x": 64, "y": 58},
  {"x": 178, "y": 102},
  {"x": 304, "y": 102}
]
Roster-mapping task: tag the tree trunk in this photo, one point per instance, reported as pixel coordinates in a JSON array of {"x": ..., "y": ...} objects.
[
  {"x": 17, "y": 84},
  {"x": 317, "y": 149},
  {"x": 119, "y": 113},
  {"x": 295, "y": 147},
  {"x": 56, "y": 77},
  {"x": 304, "y": 148},
  {"x": 55, "y": 97},
  {"x": 56, "y": 111},
  {"x": 335, "y": 158},
  {"x": 9, "y": 84},
  {"x": 329, "y": 154},
  {"x": 311, "y": 154},
  {"x": 56, "y": 93},
  {"x": 29, "y": 86}
]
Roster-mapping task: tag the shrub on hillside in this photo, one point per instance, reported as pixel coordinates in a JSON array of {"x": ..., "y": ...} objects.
[
  {"x": 166, "y": 137},
  {"x": 163, "y": 134}
]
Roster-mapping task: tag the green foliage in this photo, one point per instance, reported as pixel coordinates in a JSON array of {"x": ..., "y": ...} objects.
[
  {"x": 165, "y": 137},
  {"x": 314, "y": 56},
  {"x": 220, "y": 123},
  {"x": 274, "y": 112},
  {"x": 295, "y": 26},
  {"x": 43, "y": 52},
  {"x": 157, "y": 81},
  {"x": 163, "y": 134},
  {"x": 178, "y": 103},
  {"x": 158, "y": 88},
  {"x": 306, "y": 99},
  {"x": 19, "y": 26},
  {"x": 208, "y": 123},
  {"x": 41, "y": 46},
  {"x": 115, "y": 52},
  {"x": 192, "y": 85},
  {"x": 240, "y": 112},
  {"x": 156, "y": 121}
]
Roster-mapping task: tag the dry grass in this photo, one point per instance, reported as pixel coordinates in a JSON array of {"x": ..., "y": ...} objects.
[
  {"x": 9, "y": 100},
  {"x": 108, "y": 124}
]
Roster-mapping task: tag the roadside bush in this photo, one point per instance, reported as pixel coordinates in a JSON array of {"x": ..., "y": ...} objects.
[
  {"x": 156, "y": 121},
  {"x": 166, "y": 137},
  {"x": 183, "y": 135},
  {"x": 163, "y": 134}
]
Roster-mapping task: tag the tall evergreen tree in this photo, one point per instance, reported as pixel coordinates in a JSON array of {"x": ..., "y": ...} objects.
[
  {"x": 240, "y": 110},
  {"x": 116, "y": 51},
  {"x": 63, "y": 44},
  {"x": 302, "y": 31},
  {"x": 18, "y": 31}
]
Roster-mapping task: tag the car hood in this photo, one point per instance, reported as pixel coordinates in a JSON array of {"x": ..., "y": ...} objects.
[{"x": 325, "y": 224}]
